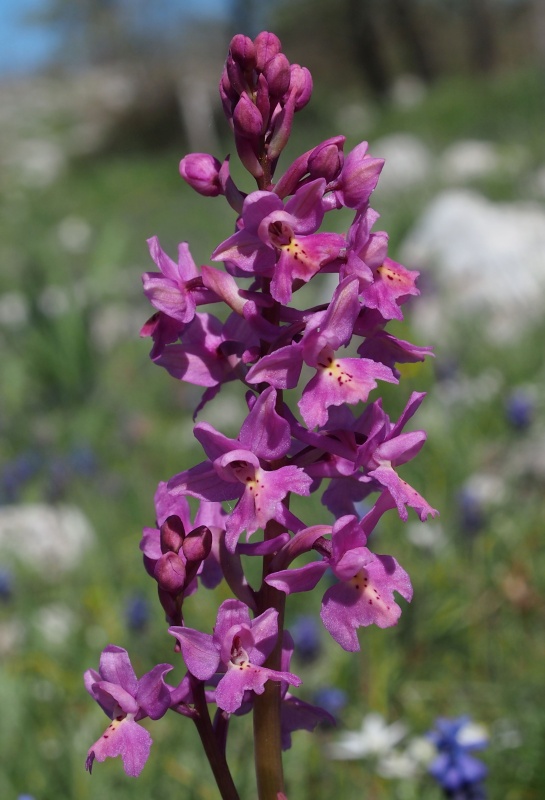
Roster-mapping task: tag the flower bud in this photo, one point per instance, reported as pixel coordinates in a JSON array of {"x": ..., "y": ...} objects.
[
  {"x": 172, "y": 534},
  {"x": 228, "y": 98},
  {"x": 282, "y": 128},
  {"x": 197, "y": 544},
  {"x": 246, "y": 152},
  {"x": 326, "y": 160},
  {"x": 242, "y": 50},
  {"x": 263, "y": 100},
  {"x": 170, "y": 573},
  {"x": 266, "y": 45},
  {"x": 234, "y": 196},
  {"x": 247, "y": 119},
  {"x": 277, "y": 73},
  {"x": 236, "y": 76},
  {"x": 301, "y": 84},
  {"x": 201, "y": 172}
]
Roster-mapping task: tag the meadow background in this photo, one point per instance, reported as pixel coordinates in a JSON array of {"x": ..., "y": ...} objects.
[{"x": 90, "y": 146}]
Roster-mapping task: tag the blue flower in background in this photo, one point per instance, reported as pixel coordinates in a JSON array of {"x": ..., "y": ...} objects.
[
  {"x": 83, "y": 460},
  {"x": 17, "y": 473},
  {"x": 519, "y": 409},
  {"x": 471, "y": 511},
  {"x": 6, "y": 585},
  {"x": 332, "y": 699},
  {"x": 137, "y": 612},
  {"x": 306, "y": 636},
  {"x": 458, "y": 773}
]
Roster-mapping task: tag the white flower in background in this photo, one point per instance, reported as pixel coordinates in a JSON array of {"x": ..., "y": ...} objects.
[
  {"x": 13, "y": 310},
  {"x": 11, "y": 637},
  {"x": 505, "y": 735},
  {"x": 55, "y": 623},
  {"x": 379, "y": 741},
  {"x": 54, "y": 301},
  {"x": 427, "y": 536},
  {"x": 472, "y": 734},
  {"x": 408, "y": 763},
  {"x": 74, "y": 234},
  {"x": 408, "y": 91},
  {"x": 49, "y": 539},
  {"x": 39, "y": 162},
  {"x": 374, "y": 739}
]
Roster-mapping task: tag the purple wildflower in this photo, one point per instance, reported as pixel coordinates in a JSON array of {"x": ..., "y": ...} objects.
[
  {"x": 238, "y": 648},
  {"x": 280, "y": 241},
  {"x": 126, "y": 700},
  {"x": 363, "y": 594},
  {"x": 242, "y": 470}
]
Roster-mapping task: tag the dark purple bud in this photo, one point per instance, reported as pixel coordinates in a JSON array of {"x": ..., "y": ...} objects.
[
  {"x": 277, "y": 73},
  {"x": 172, "y": 534},
  {"x": 247, "y": 119},
  {"x": 327, "y": 159},
  {"x": 262, "y": 100},
  {"x": 267, "y": 45},
  {"x": 301, "y": 84},
  {"x": 201, "y": 172},
  {"x": 242, "y": 50},
  {"x": 228, "y": 98},
  {"x": 236, "y": 76},
  {"x": 282, "y": 129},
  {"x": 247, "y": 154},
  {"x": 170, "y": 573},
  {"x": 197, "y": 544}
]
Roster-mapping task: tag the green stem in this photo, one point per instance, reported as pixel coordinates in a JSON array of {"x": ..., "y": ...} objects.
[
  {"x": 267, "y": 731},
  {"x": 214, "y": 753}
]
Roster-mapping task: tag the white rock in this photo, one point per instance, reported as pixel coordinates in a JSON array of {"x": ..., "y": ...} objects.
[
  {"x": 538, "y": 182},
  {"x": 469, "y": 159},
  {"x": 488, "y": 261},
  {"x": 38, "y": 161},
  {"x": 49, "y": 539},
  {"x": 408, "y": 91},
  {"x": 408, "y": 162}
]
